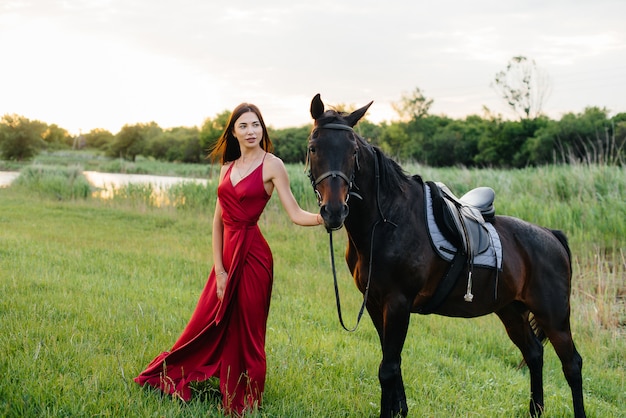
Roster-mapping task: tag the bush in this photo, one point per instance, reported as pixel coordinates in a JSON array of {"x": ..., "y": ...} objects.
[{"x": 62, "y": 183}]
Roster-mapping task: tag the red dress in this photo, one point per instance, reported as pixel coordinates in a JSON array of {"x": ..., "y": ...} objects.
[{"x": 227, "y": 339}]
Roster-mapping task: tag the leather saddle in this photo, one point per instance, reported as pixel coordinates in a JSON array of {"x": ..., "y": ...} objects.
[{"x": 461, "y": 220}]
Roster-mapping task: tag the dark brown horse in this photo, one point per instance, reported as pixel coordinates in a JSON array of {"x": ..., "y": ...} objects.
[{"x": 389, "y": 250}]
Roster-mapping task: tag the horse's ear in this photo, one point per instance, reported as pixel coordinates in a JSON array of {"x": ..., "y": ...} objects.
[
  {"x": 355, "y": 116},
  {"x": 317, "y": 107}
]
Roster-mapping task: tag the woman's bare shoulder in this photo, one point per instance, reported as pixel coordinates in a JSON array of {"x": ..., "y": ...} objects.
[
  {"x": 273, "y": 161},
  {"x": 224, "y": 168},
  {"x": 274, "y": 168}
]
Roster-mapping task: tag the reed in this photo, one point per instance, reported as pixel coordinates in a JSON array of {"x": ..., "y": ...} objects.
[{"x": 60, "y": 183}]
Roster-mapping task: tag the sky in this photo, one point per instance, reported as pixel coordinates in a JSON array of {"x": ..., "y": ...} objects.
[{"x": 86, "y": 64}]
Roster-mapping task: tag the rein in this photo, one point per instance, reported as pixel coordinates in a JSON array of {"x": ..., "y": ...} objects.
[
  {"x": 336, "y": 173},
  {"x": 367, "y": 286}
]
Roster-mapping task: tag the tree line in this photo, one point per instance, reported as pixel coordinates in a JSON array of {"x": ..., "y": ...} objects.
[{"x": 591, "y": 136}]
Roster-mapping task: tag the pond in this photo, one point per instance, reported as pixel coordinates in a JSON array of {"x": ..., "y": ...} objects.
[
  {"x": 7, "y": 177},
  {"x": 117, "y": 180},
  {"x": 106, "y": 183},
  {"x": 110, "y": 181}
]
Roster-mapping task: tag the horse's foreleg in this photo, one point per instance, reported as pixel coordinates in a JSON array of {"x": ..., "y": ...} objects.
[
  {"x": 520, "y": 332},
  {"x": 392, "y": 327}
]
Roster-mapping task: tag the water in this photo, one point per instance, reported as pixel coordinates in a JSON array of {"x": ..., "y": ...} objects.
[
  {"x": 117, "y": 180},
  {"x": 112, "y": 181},
  {"x": 7, "y": 177}
]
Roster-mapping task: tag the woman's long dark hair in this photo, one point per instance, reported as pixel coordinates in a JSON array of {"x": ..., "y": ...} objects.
[{"x": 227, "y": 147}]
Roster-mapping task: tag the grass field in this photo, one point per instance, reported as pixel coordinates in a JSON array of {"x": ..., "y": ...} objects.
[{"x": 92, "y": 290}]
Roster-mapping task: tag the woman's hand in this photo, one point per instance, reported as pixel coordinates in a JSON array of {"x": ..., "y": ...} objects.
[{"x": 221, "y": 279}]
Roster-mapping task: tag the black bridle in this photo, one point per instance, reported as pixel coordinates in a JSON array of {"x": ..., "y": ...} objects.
[
  {"x": 334, "y": 173},
  {"x": 350, "y": 181}
]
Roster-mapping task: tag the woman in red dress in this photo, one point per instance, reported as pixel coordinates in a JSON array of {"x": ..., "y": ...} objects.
[{"x": 225, "y": 336}]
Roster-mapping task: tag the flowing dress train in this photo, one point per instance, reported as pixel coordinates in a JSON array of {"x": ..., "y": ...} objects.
[{"x": 227, "y": 339}]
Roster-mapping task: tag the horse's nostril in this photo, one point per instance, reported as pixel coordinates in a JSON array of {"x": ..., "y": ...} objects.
[{"x": 334, "y": 215}]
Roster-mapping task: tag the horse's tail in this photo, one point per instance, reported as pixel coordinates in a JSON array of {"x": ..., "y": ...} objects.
[
  {"x": 563, "y": 240},
  {"x": 539, "y": 333}
]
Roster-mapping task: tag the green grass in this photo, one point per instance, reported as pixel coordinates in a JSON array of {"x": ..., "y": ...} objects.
[{"x": 92, "y": 290}]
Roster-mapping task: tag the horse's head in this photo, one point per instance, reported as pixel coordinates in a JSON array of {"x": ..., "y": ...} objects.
[{"x": 332, "y": 158}]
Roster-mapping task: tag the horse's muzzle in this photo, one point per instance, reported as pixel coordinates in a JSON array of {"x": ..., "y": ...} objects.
[{"x": 334, "y": 215}]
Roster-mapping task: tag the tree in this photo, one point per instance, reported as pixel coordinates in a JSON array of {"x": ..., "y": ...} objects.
[
  {"x": 395, "y": 141},
  {"x": 20, "y": 138},
  {"x": 619, "y": 138},
  {"x": 413, "y": 106},
  {"x": 523, "y": 86},
  {"x": 587, "y": 137},
  {"x": 56, "y": 137},
  {"x": 164, "y": 147},
  {"x": 99, "y": 138},
  {"x": 212, "y": 129},
  {"x": 371, "y": 132},
  {"x": 508, "y": 145},
  {"x": 455, "y": 143},
  {"x": 190, "y": 147},
  {"x": 130, "y": 141},
  {"x": 290, "y": 144}
]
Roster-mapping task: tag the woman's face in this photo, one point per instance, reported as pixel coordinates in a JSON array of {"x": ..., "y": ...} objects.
[{"x": 248, "y": 131}]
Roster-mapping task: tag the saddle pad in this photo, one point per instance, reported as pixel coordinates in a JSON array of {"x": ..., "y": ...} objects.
[{"x": 492, "y": 257}]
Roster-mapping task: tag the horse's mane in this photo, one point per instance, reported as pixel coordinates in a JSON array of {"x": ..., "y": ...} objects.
[
  {"x": 331, "y": 116},
  {"x": 392, "y": 175}
]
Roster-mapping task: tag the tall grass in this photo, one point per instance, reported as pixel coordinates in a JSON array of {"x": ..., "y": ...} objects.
[
  {"x": 94, "y": 289},
  {"x": 61, "y": 183}
]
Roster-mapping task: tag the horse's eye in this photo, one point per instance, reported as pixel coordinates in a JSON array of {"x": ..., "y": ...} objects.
[{"x": 312, "y": 149}]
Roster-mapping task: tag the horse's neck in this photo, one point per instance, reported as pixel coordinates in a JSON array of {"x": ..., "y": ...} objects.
[
  {"x": 379, "y": 207},
  {"x": 364, "y": 212}
]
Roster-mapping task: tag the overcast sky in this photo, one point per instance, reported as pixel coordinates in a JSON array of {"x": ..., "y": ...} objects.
[{"x": 85, "y": 64}]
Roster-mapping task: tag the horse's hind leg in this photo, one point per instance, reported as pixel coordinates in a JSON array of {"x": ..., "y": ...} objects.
[
  {"x": 515, "y": 320},
  {"x": 572, "y": 368},
  {"x": 392, "y": 323},
  {"x": 571, "y": 360}
]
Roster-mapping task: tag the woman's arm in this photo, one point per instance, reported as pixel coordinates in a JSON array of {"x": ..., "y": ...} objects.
[
  {"x": 221, "y": 274},
  {"x": 277, "y": 175}
]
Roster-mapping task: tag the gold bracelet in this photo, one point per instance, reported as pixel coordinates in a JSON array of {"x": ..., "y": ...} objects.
[{"x": 222, "y": 272}]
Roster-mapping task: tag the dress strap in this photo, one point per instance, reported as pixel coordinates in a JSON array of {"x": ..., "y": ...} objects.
[{"x": 227, "y": 175}]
